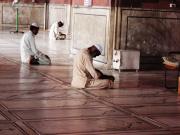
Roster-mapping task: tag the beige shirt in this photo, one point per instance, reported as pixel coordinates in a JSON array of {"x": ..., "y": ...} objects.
[{"x": 82, "y": 68}]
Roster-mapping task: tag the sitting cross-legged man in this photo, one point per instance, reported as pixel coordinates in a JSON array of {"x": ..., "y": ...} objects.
[{"x": 84, "y": 73}]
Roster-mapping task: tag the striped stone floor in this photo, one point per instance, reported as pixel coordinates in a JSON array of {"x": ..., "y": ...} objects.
[{"x": 38, "y": 100}]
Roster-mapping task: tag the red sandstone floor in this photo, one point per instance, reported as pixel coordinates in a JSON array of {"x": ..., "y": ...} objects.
[{"x": 38, "y": 100}]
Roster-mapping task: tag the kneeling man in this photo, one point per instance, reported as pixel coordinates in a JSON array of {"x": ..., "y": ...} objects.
[
  {"x": 29, "y": 53},
  {"x": 84, "y": 73},
  {"x": 55, "y": 32}
]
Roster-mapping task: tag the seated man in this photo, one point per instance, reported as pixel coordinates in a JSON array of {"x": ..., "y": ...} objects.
[
  {"x": 84, "y": 73},
  {"x": 29, "y": 53},
  {"x": 55, "y": 32}
]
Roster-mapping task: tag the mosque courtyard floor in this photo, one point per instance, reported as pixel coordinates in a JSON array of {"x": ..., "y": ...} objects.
[{"x": 38, "y": 100}]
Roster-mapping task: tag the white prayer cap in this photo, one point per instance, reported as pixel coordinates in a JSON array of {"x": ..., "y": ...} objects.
[
  {"x": 99, "y": 47},
  {"x": 61, "y": 21},
  {"x": 35, "y": 24}
]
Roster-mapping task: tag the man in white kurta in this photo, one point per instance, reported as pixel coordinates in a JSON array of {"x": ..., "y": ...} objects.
[
  {"x": 55, "y": 32},
  {"x": 29, "y": 53},
  {"x": 84, "y": 73}
]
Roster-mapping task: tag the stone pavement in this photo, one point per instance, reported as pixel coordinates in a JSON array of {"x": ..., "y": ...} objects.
[{"x": 38, "y": 100}]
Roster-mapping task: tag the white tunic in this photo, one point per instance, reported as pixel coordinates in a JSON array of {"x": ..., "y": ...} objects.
[
  {"x": 82, "y": 69},
  {"x": 54, "y": 31},
  {"x": 28, "y": 47}
]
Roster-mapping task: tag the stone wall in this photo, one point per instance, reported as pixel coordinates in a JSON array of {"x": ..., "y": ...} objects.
[
  {"x": 153, "y": 32},
  {"x": 59, "y": 12},
  {"x": 91, "y": 26},
  {"x": 1, "y": 14},
  {"x": 28, "y": 13},
  {"x": 150, "y": 31}
]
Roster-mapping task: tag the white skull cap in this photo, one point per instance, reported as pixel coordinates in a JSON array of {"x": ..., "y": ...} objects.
[
  {"x": 35, "y": 24},
  {"x": 61, "y": 21},
  {"x": 99, "y": 47}
]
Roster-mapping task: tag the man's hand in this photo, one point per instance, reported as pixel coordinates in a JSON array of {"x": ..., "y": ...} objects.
[
  {"x": 46, "y": 56},
  {"x": 99, "y": 73}
]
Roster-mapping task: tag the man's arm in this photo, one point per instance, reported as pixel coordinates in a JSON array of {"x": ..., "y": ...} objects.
[
  {"x": 56, "y": 30},
  {"x": 90, "y": 68},
  {"x": 36, "y": 52},
  {"x": 100, "y": 74}
]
